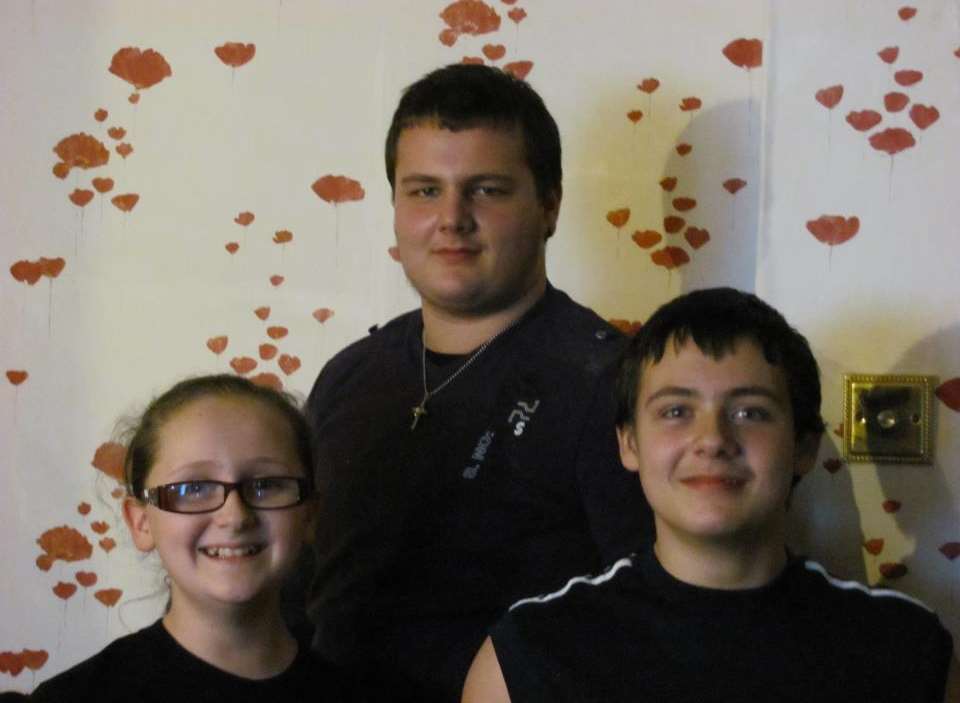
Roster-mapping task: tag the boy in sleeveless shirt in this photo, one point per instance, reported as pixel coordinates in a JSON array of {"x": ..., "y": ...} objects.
[{"x": 719, "y": 415}]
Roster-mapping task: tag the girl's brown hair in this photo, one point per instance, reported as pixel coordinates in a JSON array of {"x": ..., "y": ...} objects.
[{"x": 142, "y": 445}]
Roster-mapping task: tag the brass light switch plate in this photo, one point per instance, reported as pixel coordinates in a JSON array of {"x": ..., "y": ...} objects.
[{"x": 887, "y": 418}]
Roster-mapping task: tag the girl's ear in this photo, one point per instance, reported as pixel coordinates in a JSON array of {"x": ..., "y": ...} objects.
[{"x": 135, "y": 515}]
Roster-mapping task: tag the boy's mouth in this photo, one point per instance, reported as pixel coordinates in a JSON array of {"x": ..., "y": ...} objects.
[
  {"x": 455, "y": 254},
  {"x": 231, "y": 552},
  {"x": 713, "y": 481}
]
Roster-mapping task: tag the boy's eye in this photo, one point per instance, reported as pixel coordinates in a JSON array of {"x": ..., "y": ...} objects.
[
  {"x": 751, "y": 414},
  {"x": 672, "y": 412},
  {"x": 489, "y": 190}
]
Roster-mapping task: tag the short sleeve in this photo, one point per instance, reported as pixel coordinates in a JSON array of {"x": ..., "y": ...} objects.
[{"x": 525, "y": 670}]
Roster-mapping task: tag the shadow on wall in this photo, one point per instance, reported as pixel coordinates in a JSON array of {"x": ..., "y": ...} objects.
[
  {"x": 928, "y": 496},
  {"x": 679, "y": 226},
  {"x": 825, "y": 521},
  {"x": 890, "y": 531},
  {"x": 721, "y": 174}
]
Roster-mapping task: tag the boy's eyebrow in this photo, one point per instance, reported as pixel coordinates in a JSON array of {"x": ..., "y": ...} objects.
[
  {"x": 419, "y": 178},
  {"x": 763, "y": 391},
  {"x": 670, "y": 391},
  {"x": 427, "y": 178},
  {"x": 501, "y": 179},
  {"x": 738, "y": 392}
]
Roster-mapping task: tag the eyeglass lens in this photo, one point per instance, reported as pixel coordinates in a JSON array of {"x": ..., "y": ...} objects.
[{"x": 204, "y": 496}]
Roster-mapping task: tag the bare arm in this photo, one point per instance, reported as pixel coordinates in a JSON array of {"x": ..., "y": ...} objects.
[{"x": 485, "y": 682}]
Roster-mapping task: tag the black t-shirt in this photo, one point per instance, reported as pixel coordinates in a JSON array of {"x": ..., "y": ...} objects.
[
  {"x": 509, "y": 484},
  {"x": 634, "y": 633},
  {"x": 150, "y": 666}
]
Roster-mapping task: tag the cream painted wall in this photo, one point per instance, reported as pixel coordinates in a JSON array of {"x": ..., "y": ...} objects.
[
  {"x": 885, "y": 301},
  {"x": 142, "y": 292}
]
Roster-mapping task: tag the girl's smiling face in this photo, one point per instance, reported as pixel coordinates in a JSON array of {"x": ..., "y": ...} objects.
[{"x": 233, "y": 556}]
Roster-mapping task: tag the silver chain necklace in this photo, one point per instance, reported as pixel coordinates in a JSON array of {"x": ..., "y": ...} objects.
[{"x": 421, "y": 409}]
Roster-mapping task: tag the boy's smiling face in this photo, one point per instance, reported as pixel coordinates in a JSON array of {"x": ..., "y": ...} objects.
[
  {"x": 714, "y": 445},
  {"x": 470, "y": 225}
]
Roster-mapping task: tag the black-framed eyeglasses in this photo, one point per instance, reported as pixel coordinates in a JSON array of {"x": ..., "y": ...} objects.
[{"x": 206, "y": 496}]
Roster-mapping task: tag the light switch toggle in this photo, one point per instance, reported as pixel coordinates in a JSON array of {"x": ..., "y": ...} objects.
[{"x": 887, "y": 419}]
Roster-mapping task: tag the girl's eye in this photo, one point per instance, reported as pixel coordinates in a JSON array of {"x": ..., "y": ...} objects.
[
  {"x": 265, "y": 485},
  {"x": 195, "y": 489}
]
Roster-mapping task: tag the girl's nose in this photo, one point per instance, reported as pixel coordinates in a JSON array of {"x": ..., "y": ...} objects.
[{"x": 234, "y": 512}]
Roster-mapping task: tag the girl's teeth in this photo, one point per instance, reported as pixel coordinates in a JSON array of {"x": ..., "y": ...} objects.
[{"x": 227, "y": 552}]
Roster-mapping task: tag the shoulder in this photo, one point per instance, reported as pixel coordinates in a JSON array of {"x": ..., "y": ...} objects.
[
  {"x": 546, "y": 646},
  {"x": 351, "y": 361},
  {"x": 884, "y": 608},
  {"x": 121, "y": 663},
  {"x": 564, "y": 316},
  {"x": 565, "y": 329},
  {"x": 854, "y": 592},
  {"x": 877, "y": 628},
  {"x": 378, "y": 337},
  {"x": 575, "y": 591}
]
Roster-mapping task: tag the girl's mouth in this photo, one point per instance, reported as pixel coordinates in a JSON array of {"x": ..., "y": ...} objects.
[{"x": 231, "y": 552}]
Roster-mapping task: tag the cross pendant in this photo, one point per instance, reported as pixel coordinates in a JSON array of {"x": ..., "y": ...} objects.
[{"x": 417, "y": 412}]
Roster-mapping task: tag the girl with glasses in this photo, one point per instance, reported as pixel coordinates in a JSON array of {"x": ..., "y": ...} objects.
[{"x": 219, "y": 480}]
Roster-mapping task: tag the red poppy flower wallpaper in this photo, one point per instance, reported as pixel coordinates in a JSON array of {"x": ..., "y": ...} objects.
[{"x": 203, "y": 191}]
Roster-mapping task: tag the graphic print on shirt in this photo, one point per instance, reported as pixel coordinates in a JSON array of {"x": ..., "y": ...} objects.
[
  {"x": 519, "y": 416},
  {"x": 479, "y": 454}
]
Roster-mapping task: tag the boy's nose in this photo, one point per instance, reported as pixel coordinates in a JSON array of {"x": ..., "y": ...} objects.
[
  {"x": 716, "y": 436},
  {"x": 455, "y": 214}
]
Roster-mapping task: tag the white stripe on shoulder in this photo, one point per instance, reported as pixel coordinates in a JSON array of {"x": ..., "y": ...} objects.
[
  {"x": 589, "y": 580},
  {"x": 857, "y": 586}
]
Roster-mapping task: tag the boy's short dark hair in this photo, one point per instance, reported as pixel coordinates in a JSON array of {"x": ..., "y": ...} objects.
[
  {"x": 715, "y": 318},
  {"x": 462, "y": 96}
]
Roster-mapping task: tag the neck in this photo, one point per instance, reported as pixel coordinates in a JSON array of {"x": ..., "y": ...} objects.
[
  {"x": 734, "y": 565},
  {"x": 251, "y": 642},
  {"x": 449, "y": 332}
]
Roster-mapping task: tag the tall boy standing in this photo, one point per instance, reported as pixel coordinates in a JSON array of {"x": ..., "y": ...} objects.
[
  {"x": 466, "y": 452},
  {"x": 719, "y": 414}
]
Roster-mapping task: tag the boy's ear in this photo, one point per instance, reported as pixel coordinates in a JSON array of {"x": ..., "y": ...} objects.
[
  {"x": 551, "y": 208},
  {"x": 628, "y": 448},
  {"x": 805, "y": 456},
  {"x": 135, "y": 515}
]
